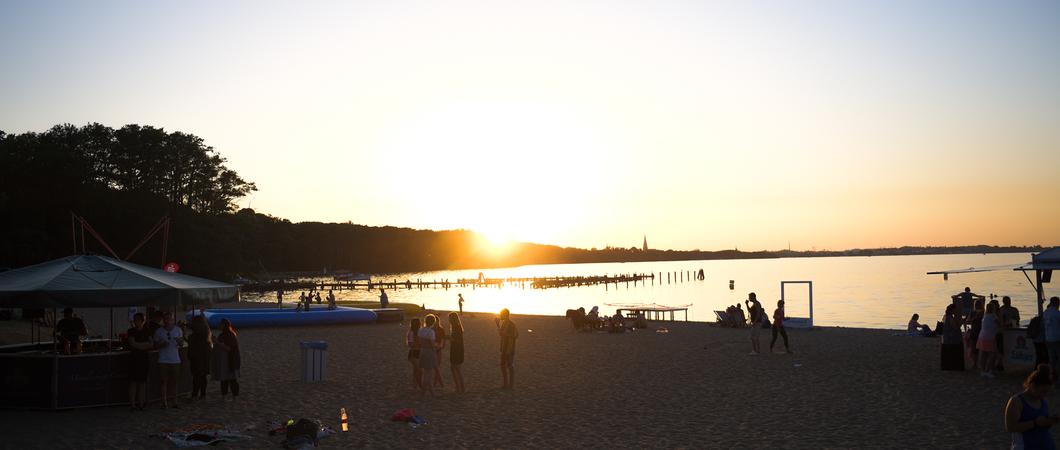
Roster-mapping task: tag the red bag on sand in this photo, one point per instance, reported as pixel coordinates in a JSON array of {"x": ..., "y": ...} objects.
[{"x": 403, "y": 415}]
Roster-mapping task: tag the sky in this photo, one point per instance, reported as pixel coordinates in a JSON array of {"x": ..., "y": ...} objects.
[{"x": 709, "y": 125}]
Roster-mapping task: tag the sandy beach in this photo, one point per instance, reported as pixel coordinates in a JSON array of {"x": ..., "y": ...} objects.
[{"x": 695, "y": 386}]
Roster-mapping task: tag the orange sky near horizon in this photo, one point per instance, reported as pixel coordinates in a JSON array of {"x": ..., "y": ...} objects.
[{"x": 711, "y": 125}]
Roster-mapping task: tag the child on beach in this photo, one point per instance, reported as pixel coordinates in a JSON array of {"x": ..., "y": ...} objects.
[
  {"x": 778, "y": 327},
  {"x": 413, "y": 344},
  {"x": 456, "y": 350},
  {"x": 508, "y": 333},
  {"x": 439, "y": 342},
  {"x": 428, "y": 354},
  {"x": 1027, "y": 413}
]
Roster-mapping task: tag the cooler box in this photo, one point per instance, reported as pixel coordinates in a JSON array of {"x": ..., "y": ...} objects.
[{"x": 314, "y": 360}]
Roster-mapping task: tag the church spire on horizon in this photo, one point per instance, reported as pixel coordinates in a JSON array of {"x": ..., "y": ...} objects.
[{"x": 645, "y": 248}]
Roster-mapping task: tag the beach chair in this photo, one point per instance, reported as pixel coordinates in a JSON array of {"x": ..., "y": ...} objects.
[{"x": 724, "y": 318}]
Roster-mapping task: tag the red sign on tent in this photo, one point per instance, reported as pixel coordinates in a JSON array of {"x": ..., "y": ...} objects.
[{"x": 171, "y": 267}]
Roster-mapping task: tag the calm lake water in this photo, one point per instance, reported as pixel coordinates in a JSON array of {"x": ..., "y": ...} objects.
[{"x": 867, "y": 292}]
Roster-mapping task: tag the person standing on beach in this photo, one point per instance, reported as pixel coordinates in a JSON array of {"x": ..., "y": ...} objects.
[
  {"x": 227, "y": 360},
  {"x": 439, "y": 345},
  {"x": 331, "y": 299},
  {"x": 952, "y": 352},
  {"x": 508, "y": 333},
  {"x": 200, "y": 346},
  {"x": 384, "y": 301},
  {"x": 412, "y": 341},
  {"x": 1051, "y": 323},
  {"x": 456, "y": 350},
  {"x": 138, "y": 342},
  {"x": 460, "y": 303},
  {"x": 778, "y": 327},
  {"x": 987, "y": 343},
  {"x": 754, "y": 309},
  {"x": 1027, "y": 413},
  {"x": 279, "y": 299},
  {"x": 70, "y": 330},
  {"x": 317, "y": 297},
  {"x": 964, "y": 301},
  {"x": 168, "y": 339},
  {"x": 428, "y": 355}
]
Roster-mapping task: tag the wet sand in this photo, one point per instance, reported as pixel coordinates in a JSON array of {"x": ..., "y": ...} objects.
[{"x": 695, "y": 386}]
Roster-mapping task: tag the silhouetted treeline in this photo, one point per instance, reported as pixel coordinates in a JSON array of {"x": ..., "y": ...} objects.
[{"x": 122, "y": 181}]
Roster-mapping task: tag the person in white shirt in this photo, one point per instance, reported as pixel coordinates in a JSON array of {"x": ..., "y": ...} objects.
[{"x": 168, "y": 340}]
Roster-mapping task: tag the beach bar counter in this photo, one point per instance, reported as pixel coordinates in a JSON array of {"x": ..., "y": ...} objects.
[{"x": 36, "y": 376}]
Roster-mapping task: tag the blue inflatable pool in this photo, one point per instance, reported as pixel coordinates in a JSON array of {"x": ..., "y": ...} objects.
[{"x": 273, "y": 317}]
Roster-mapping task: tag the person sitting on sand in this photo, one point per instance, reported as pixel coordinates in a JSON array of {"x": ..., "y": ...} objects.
[
  {"x": 739, "y": 317},
  {"x": 778, "y": 327},
  {"x": 916, "y": 327},
  {"x": 1027, "y": 413},
  {"x": 617, "y": 324},
  {"x": 508, "y": 333},
  {"x": 593, "y": 318}
]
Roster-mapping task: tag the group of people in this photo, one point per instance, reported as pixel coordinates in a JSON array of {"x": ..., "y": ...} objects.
[
  {"x": 305, "y": 301},
  {"x": 592, "y": 321},
  {"x": 427, "y": 339},
  {"x": 176, "y": 343},
  {"x": 971, "y": 319}
]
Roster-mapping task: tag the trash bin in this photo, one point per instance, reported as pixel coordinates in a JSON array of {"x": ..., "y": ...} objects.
[{"x": 314, "y": 360}]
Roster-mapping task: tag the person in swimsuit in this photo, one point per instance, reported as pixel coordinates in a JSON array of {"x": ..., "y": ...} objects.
[
  {"x": 413, "y": 344},
  {"x": 456, "y": 350},
  {"x": 778, "y": 327},
  {"x": 508, "y": 333},
  {"x": 1027, "y": 413}
]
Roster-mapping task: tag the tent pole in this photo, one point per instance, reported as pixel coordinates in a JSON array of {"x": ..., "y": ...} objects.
[
  {"x": 1040, "y": 291},
  {"x": 110, "y": 339}
]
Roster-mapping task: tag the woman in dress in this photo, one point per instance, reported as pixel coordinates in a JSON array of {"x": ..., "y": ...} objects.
[
  {"x": 139, "y": 343},
  {"x": 413, "y": 343},
  {"x": 952, "y": 352},
  {"x": 227, "y": 360},
  {"x": 456, "y": 350},
  {"x": 200, "y": 344},
  {"x": 428, "y": 355},
  {"x": 987, "y": 342}
]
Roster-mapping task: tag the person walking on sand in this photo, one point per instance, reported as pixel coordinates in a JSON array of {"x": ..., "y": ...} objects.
[
  {"x": 279, "y": 299},
  {"x": 1027, "y": 413},
  {"x": 1051, "y": 323},
  {"x": 508, "y": 334},
  {"x": 754, "y": 309},
  {"x": 460, "y": 303},
  {"x": 384, "y": 302},
  {"x": 428, "y": 356},
  {"x": 456, "y": 350},
  {"x": 227, "y": 360},
  {"x": 778, "y": 327},
  {"x": 413, "y": 343}
]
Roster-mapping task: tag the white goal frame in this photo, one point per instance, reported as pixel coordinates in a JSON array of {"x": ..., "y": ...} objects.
[{"x": 798, "y": 322}]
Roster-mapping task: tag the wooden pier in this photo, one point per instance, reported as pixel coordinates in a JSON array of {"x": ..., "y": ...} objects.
[{"x": 480, "y": 282}]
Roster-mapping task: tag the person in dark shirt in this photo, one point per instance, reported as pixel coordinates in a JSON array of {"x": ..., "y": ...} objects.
[
  {"x": 70, "y": 330},
  {"x": 155, "y": 321},
  {"x": 139, "y": 343}
]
